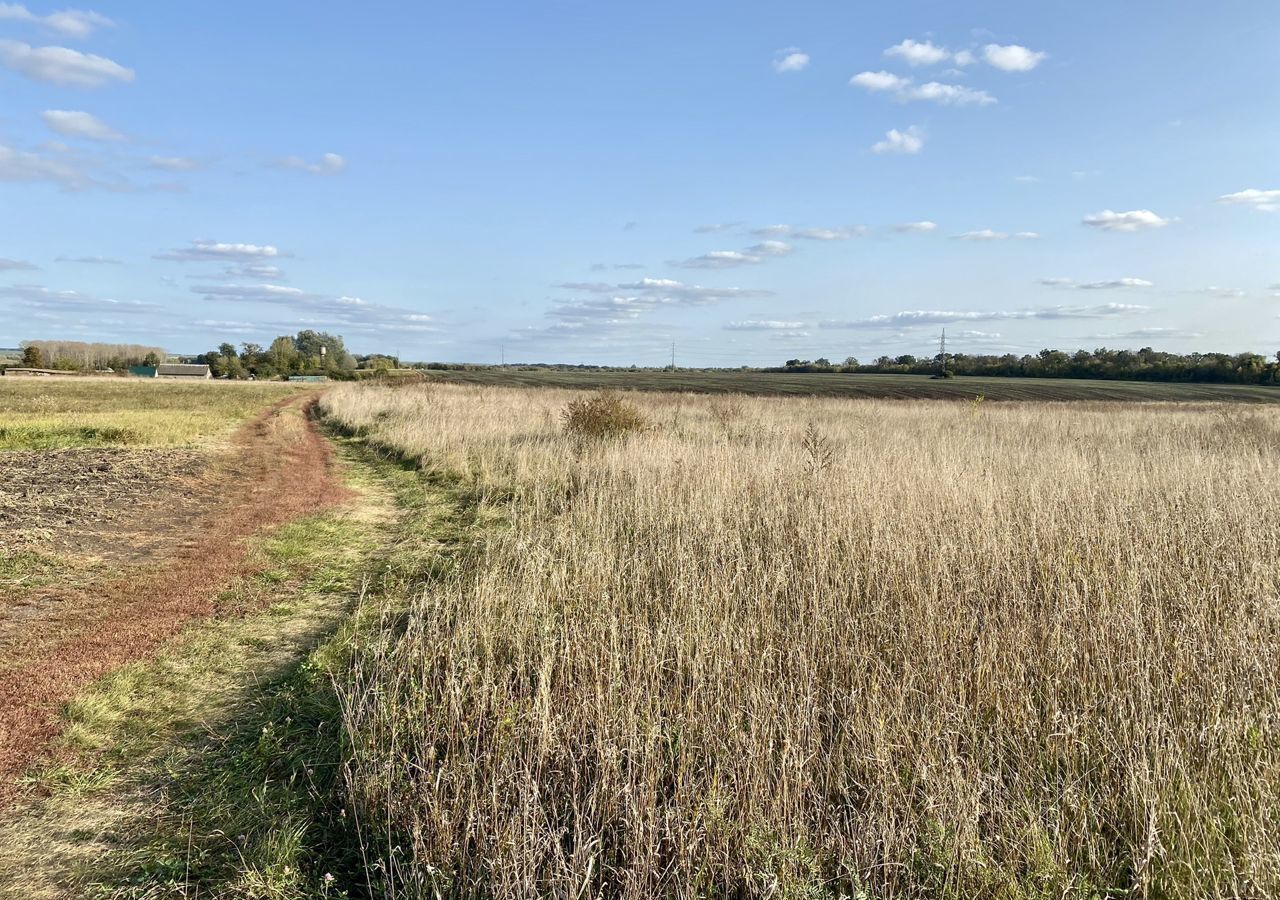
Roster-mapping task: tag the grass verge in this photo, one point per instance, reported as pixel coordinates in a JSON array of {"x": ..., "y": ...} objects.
[{"x": 214, "y": 768}]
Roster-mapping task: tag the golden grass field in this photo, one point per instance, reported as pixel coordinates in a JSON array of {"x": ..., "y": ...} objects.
[
  {"x": 50, "y": 413},
  {"x": 802, "y": 648}
]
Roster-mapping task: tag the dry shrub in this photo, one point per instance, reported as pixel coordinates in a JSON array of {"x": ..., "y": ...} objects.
[
  {"x": 603, "y": 415},
  {"x": 1029, "y": 654}
]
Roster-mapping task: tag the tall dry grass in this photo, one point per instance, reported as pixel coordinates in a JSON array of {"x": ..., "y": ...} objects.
[{"x": 820, "y": 648}]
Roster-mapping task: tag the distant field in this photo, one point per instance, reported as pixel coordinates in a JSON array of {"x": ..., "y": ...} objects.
[
  {"x": 43, "y": 414},
  {"x": 904, "y": 387}
]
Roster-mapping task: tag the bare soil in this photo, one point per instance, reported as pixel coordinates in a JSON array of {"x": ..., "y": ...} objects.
[
  {"x": 84, "y": 501},
  {"x": 68, "y": 633}
]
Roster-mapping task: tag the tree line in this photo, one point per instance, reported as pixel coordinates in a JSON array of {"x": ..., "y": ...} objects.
[
  {"x": 1121, "y": 365},
  {"x": 305, "y": 353},
  {"x": 80, "y": 356}
]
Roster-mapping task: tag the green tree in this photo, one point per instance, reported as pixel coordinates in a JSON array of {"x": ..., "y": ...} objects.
[{"x": 32, "y": 358}]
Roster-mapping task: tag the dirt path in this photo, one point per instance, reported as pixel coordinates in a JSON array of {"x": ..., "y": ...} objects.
[{"x": 279, "y": 469}]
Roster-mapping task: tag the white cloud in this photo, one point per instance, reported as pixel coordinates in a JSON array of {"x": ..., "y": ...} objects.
[
  {"x": 173, "y": 163},
  {"x": 90, "y": 260},
  {"x": 1224, "y": 293},
  {"x": 905, "y": 90},
  {"x": 1133, "y": 220},
  {"x": 879, "y": 81},
  {"x": 1145, "y": 333},
  {"x": 986, "y": 234},
  {"x": 1263, "y": 201},
  {"x": 16, "y": 265},
  {"x": 922, "y": 227},
  {"x": 718, "y": 259},
  {"x": 24, "y": 166},
  {"x": 729, "y": 259},
  {"x": 1028, "y": 235},
  {"x": 908, "y": 142},
  {"x": 329, "y": 164},
  {"x": 770, "y": 248},
  {"x": 71, "y": 23},
  {"x": 1012, "y": 57},
  {"x": 828, "y": 234},
  {"x": 1097, "y": 285},
  {"x": 916, "y": 53},
  {"x": 203, "y": 251},
  {"x": 763, "y": 325},
  {"x": 44, "y": 298},
  {"x": 73, "y": 123},
  {"x": 1026, "y": 179},
  {"x": 921, "y": 317},
  {"x": 947, "y": 95},
  {"x": 61, "y": 65},
  {"x": 809, "y": 234},
  {"x": 716, "y": 227},
  {"x": 964, "y": 58},
  {"x": 790, "y": 60}
]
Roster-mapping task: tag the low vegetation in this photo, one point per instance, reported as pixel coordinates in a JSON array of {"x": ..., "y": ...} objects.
[
  {"x": 40, "y": 414},
  {"x": 852, "y": 385},
  {"x": 815, "y": 648}
]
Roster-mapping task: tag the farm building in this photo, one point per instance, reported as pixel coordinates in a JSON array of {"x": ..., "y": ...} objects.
[{"x": 183, "y": 370}]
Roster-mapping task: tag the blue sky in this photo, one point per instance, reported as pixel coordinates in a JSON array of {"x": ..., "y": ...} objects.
[{"x": 590, "y": 181}]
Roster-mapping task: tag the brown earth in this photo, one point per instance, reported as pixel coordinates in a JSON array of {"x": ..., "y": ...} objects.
[{"x": 65, "y": 635}]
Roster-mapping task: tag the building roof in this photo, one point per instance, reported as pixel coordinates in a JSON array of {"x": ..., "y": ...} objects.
[{"x": 200, "y": 371}]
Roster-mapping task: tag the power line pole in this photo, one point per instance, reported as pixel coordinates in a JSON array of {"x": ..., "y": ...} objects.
[
  {"x": 673, "y": 356},
  {"x": 942, "y": 354},
  {"x": 504, "y": 354}
]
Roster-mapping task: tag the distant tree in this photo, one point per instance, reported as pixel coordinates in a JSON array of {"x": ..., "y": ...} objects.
[
  {"x": 851, "y": 361},
  {"x": 151, "y": 359},
  {"x": 32, "y": 358}
]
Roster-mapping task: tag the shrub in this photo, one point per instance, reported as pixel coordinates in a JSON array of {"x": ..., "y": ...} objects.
[{"x": 604, "y": 415}]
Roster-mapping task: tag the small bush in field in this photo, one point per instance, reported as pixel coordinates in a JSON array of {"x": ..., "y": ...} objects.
[{"x": 604, "y": 415}]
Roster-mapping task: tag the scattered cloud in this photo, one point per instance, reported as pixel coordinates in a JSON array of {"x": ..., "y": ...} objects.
[
  {"x": 77, "y": 124},
  {"x": 1012, "y": 57},
  {"x": 790, "y": 59},
  {"x": 16, "y": 265},
  {"x": 1026, "y": 179},
  {"x": 25, "y": 166},
  {"x": 1263, "y": 201},
  {"x": 1223, "y": 293},
  {"x": 1133, "y": 220},
  {"x": 70, "y": 23},
  {"x": 809, "y": 234},
  {"x": 763, "y": 325},
  {"x": 986, "y": 234},
  {"x": 908, "y": 142},
  {"x": 1097, "y": 285},
  {"x": 41, "y": 297},
  {"x": 322, "y": 310},
  {"x": 729, "y": 259},
  {"x": 922, "y": 227},
  {"x": 716, "y": 227},
  {"x": 173, "y": 163},
  {"x": 614, "y": 307},
  {"x": 1143, "y": 334},
  {"x": 204, "y": 251},
  {"x": 905, "y": 90},
  {"x": 61, "y": 65},
  {"x": 919, "y": 53},
  {"x": 90, "y": 260},
  {"x": 329, "y": 164},
  {"x": 920, "y": 317}
]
